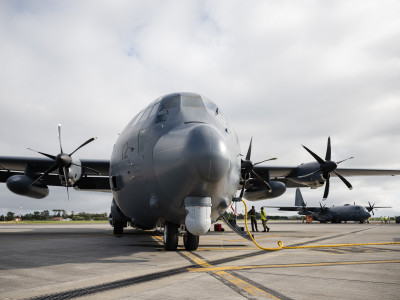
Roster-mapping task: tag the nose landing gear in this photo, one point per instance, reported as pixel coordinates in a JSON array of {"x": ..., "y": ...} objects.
[{"x": 171, "y": 236}]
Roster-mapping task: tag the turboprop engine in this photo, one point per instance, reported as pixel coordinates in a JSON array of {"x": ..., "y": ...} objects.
[
  {"x": 69, "y": 171},
  {"x": 260, "y": 192}
]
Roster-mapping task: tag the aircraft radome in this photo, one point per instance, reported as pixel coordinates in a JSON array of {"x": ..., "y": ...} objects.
[{"x": 177, "y": 163}]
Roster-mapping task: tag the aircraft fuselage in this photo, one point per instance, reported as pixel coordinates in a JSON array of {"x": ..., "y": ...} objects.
[
  {"x": 343, "y": 213},
  {"x": 177, "y": 153}
]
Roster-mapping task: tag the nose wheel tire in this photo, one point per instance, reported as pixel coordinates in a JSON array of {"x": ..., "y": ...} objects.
[
  {"x": 170, "y": 236},
  {"x": 191, "y": 241}
]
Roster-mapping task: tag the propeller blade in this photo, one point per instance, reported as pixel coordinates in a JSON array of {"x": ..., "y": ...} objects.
[
  {"x": 249, "y": 151},
  {"x": 371, "y": 208},
  {"x": 51, "y": 169},
  {"x": 242, "y": 191},
  {"x": 45, "y": 154},
  {"x": 344, "y": 180},
  {"x": 317, "y": 158},
  {"x": 339, "y": 162},
  {"x": 84, "y": 144},
  {"x": 326, "y": 192},
  {"x": 59, "y": 137},
  {"x": 265, "y": 161},
  {"x": 328, "y": 150},
  {"x": 262, "y": 179},
  {"x": 66, "y": 180}
]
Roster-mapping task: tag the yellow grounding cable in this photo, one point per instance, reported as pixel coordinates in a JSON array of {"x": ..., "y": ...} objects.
[{"x": 280, "y": 243}]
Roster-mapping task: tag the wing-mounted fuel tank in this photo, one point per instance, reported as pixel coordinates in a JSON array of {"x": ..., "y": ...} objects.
[
  {"x": 25, "y": 186},
  {"x": 260, "y": 192}
]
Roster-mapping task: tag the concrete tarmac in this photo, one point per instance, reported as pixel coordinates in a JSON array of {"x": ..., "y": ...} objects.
[{"x": 86, "y": 261}]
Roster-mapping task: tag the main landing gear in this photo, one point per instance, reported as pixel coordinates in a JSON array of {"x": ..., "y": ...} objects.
[
  {"x": 171, "y": 236},
  {"x": 118, "y": 228}
]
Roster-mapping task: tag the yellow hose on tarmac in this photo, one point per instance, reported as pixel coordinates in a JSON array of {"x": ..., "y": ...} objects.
[{"x": 280, "y": 243}]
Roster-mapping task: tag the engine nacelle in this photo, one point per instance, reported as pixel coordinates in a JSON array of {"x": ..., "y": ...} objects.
[
  {"x": 21, "y": 185},
  {"x": 261, "y": 192}
]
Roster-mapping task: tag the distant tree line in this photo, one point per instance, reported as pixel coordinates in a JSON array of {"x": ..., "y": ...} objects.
[{"x": 45, "y": 215}]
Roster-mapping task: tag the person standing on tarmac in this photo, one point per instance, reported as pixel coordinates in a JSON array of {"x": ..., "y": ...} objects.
[
  {"x": 252, "y": 214},
  {"x": 264, "y": 219}
]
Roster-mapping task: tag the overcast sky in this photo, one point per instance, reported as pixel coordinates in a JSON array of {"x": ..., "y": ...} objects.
[{"x": 284, "y": 72}]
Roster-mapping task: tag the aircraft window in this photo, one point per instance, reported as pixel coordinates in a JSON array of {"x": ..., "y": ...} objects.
[
  {"x": 154, "y": 109},
  {"x": 136, "y": 118},
  {"x": 194, "y": 102},
  {"x": 166, "y": 104},
  {"x": 142, "y": 136},
  {"x": 162, "y": 114},
  {"x": 170, "y": 102},
  {"x": 146, "y": 113}
]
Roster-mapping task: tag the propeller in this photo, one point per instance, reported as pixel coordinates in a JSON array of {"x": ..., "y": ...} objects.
[
  {"x": 247, "y": 170},
  {"x": 304, "y": 208},
  {"x": 323, "y": 209},
  {"x": 62, "y": 161},
  {"x": 371, "y": 208},
  {"x": 326, "y": 167}
]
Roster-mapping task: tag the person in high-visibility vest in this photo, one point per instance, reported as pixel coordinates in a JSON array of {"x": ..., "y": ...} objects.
[
  {"x": 264, "y": 219},
  {"x": 252, "y": 214},
  {"x": 381, "y": 219}
]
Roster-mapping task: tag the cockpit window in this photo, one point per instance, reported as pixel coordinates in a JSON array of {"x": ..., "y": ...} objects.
[
  {"x": 170, "y": 102},
  {"x": 154, "y": 109},
  {"x": 194, "y": 102}
]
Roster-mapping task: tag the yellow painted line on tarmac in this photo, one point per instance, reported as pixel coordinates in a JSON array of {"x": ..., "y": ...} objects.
[
  {"x": 245, "y": 286},
  {"x": 232, "y": 268},
  {"x": 158, "y": 237}
]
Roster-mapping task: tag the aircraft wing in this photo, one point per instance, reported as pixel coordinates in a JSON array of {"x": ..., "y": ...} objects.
[
  {"x": 277, "y": 172},
  {"x": 294, "y": 208},
  {"x": 366, "y": 172},
  {"x": 91, "y": 180}
]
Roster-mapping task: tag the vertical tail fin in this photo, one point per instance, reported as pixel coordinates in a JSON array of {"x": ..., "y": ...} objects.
[{"x": 299, "y": 198}]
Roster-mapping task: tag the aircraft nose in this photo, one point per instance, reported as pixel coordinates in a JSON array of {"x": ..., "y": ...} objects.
[{"x": 207, "y": 149}]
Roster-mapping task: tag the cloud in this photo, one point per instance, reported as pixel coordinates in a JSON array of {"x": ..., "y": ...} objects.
[{"x": 285, "y": 73}]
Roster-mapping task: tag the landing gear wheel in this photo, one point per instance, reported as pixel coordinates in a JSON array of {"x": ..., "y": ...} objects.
[
  {"x": 170, "y": 236},
  {"x": 118, "y": 228},
  {"x": 191, "y": 241}
]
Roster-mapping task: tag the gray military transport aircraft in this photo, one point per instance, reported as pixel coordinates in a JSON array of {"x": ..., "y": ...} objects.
[
  {"x": 177, "y": 163},
  {"x": 334, "y": 214}
]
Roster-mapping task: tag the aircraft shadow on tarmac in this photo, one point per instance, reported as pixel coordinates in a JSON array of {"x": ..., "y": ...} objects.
[{"x": 42, "y": 248}]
